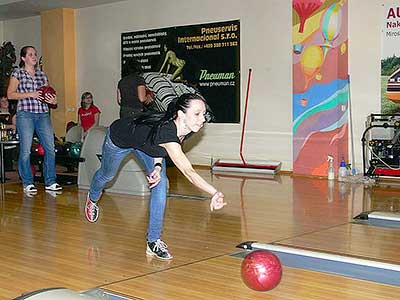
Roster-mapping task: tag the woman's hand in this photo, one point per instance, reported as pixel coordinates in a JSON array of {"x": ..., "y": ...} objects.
[
  {"x": 154, "y": 177},
  {"x": 217, "y": 201},
  {"x": 149, "y": 97},
  {"x": 50, "y": 99}
]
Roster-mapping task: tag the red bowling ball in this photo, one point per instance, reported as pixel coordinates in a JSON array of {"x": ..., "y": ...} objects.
[
  {"x": 38, "y": 149},
  {"x": 46, "y": 90},
  {"x": 261, "y": 270}
]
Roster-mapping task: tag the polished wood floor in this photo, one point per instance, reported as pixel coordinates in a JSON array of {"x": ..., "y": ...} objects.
[{"x": 46, "y": 242}]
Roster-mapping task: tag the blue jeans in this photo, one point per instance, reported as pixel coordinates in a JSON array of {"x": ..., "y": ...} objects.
[
  {"x": 27, "y": 123},
  {"x": 110, "y": 162}
]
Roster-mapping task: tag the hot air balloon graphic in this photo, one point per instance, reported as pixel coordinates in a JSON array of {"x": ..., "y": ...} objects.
[
  {"x": 311, "y": 61},
  {"x": 330, "y": 24},
  {"x": 297, "y": 48},
  {"x": 304, "y": 102},
  {"x": 343, "y": 48},
  {"x": 304, "y": 9}
]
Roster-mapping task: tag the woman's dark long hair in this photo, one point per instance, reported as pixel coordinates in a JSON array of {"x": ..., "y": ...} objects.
[
  {"x": 157, "y": 120},
  {"x": 22, "y": 53},
  {"x": 131, "y": 66}
]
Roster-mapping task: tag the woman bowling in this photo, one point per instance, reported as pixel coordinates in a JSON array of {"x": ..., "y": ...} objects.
[{"x": 152, "y": 137}]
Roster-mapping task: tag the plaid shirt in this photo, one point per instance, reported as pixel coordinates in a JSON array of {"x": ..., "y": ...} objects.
[{"x": 28, "y": 84}]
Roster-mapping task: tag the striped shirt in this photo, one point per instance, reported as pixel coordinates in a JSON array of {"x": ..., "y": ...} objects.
[
  {"x": 164, "y": 89},
  {"x": 28, "y": 84}
]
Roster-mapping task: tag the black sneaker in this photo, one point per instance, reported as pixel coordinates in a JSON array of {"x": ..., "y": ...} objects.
[
  {"x": 91, "y": 210},
  {"x": 158, "y": 249}
]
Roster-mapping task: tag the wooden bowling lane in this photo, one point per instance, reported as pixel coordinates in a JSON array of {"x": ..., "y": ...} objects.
[
  {"x": 47, "y": 242},
  {"x": 271, "y": 209},
  {"x": 381, "y": 197},
  {"x": 219, "y": 279},
  {"x": 363, "y": 241},
  {"x": 369, "y": 242}
]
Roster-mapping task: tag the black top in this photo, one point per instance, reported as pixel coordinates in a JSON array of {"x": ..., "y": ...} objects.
[
  {"x": 128, "y": 88},
  {"x": 124, "y": 133}
]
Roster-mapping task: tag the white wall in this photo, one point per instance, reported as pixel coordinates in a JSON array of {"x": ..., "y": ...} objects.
[
  {"x": 365, "y": 19},
  {"x": 265, "y": 47},
  {"x": 22, "y": 32},
  {"x": 269, "y": 123}
]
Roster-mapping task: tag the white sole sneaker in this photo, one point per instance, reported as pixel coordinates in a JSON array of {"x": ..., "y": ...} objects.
[
  {"x": 30, "y": 189},
  {"x": 91, "y": 210},
  {"x": 160, "y": 247},
  {"x": 53, "y": 187}
]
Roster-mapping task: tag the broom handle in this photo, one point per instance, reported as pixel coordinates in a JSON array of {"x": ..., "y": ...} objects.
[
  {"x": 353, "y": 162},
  {"x": 245, "y": 117}
]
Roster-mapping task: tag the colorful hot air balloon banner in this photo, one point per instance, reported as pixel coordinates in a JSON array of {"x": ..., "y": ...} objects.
[
  {"x": 311, "y": 62},
  {"x": 320, "y": 85},
  {"x": 304, "y": 9},
  {"x": 331, "y": 23}
]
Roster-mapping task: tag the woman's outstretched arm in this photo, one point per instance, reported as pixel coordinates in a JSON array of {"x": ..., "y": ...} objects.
[{"x": 183, "y": 164}]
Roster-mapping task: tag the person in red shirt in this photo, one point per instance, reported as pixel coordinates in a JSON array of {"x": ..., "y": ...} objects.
[{"x": 88, "y": 113}]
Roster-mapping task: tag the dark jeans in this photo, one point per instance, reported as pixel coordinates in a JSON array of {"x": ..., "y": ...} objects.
[{"x": 110, "y": 161}]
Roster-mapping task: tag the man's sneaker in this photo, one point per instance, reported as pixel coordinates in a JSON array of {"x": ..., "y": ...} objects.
[
  {"x": 91, "y": 210},
  {"x": 54, "y": 187},
  {"x": 30, "y": 189},
  {"x": 158, "y": 249}
]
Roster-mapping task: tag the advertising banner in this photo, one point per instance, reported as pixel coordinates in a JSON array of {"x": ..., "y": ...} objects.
[{"x": 202, "y": 58}]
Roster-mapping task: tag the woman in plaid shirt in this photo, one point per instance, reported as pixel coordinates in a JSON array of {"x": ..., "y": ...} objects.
[{"x": 33, "y": 115}]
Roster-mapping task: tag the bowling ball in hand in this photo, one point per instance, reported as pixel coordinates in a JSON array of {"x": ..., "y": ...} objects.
[{"x": 46, "y": 91}]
